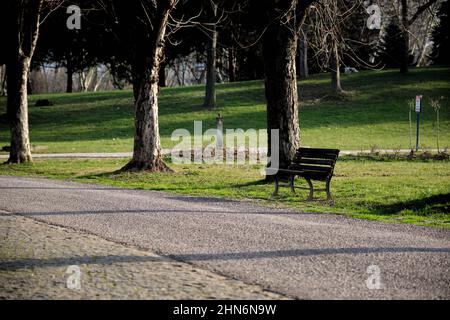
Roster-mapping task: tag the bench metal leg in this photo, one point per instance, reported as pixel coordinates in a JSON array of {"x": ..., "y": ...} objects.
[
  {"x": 275, "y": 192},
  {"x": 329, "y": 196},
  {"x": 311, "y": 190},
  {"x": 291, "y": 183}
]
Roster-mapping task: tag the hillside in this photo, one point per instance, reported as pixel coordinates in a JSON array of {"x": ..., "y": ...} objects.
[{"x": 372, "y": 114}]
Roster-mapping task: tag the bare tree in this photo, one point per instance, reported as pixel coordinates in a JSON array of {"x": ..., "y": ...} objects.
[
  {"x": 214, "y": 15},
  {"x": 407, "y": 19},
  {"x": 22, "y": 20},
  {"x": 328, "y": 22}
]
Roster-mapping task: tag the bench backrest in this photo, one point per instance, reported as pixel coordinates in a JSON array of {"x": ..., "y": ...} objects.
[{"x": 316, "y": 160}]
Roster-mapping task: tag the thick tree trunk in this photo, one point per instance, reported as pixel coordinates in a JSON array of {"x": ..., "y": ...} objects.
[
  {"x": 147, "y": 144},
  {"x": 404, "y": 67},
  {"x": 279, "y": 51},
  {"x": 335, "y": 70},
  {"x": 210, "y": 90},
  {"x": 17, "y": 109}
]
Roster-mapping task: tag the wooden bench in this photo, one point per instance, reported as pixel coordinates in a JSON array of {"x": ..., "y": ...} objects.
[{"x": 310, "y": 164}]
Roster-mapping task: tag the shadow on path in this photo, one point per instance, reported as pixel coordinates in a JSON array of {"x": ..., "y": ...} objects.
[
  {"x": 109, "y": 260},
  {"x": 220, "y": 210}
]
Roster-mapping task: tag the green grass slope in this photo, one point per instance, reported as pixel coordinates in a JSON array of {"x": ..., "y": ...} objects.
[{"x": 373, "y": 114}]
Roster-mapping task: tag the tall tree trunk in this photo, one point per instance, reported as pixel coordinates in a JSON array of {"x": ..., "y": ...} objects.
[
  {"x": 404, "y": 67},
  {"x": 303, "y": 53},
  {"x": 17, "y": 109},
  {"x": 147, "y": 145},
  {"x": 22, "y": 19},
  {"x": 231, "y": 65},
  {"x": 279, "y": 51},
  {"x": 335, "y": 70},
  {"x": 210, "y": 89}
]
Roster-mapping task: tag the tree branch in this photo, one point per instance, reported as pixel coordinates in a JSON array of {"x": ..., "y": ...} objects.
[{"x": 420, "y": 10}]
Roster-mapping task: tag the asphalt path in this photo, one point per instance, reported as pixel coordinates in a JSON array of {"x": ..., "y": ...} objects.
[{"x": 300, "y": 255}]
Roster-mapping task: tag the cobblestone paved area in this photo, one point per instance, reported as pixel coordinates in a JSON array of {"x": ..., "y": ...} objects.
[{"x": 41, "y": 261}]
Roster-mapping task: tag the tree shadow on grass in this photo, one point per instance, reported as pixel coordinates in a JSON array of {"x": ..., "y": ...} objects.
[
  {"x": 437, "y": 204},
  {"x": 260, "y": 182}
]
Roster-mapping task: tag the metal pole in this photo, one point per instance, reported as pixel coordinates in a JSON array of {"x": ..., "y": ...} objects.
[
  {"x": 417, "y": 131},
  {"x": 418, "y": 110},
  {"x": 219, "y": 125}
]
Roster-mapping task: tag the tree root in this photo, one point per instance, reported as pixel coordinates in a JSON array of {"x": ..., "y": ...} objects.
[{"x": 138, "y": 166}]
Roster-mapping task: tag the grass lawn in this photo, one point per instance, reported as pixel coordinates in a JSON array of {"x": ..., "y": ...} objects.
[
  {"x": 374, "y": 114},
  {"x": 415, "y": 191}
]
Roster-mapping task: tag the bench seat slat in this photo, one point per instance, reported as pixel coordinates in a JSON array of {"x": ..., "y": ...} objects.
[
  {"x": 319, "y": 150},
  {"x": 301, "y": 167},
  {"x": 326, "y": 156},
  {"x": 316, "y": 161},
  {"x": 315, "y": 153}
]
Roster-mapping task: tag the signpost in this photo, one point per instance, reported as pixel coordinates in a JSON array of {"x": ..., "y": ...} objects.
[
  {"x": 418, "y": 109},
  {"x": 219, "y": 125}
]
